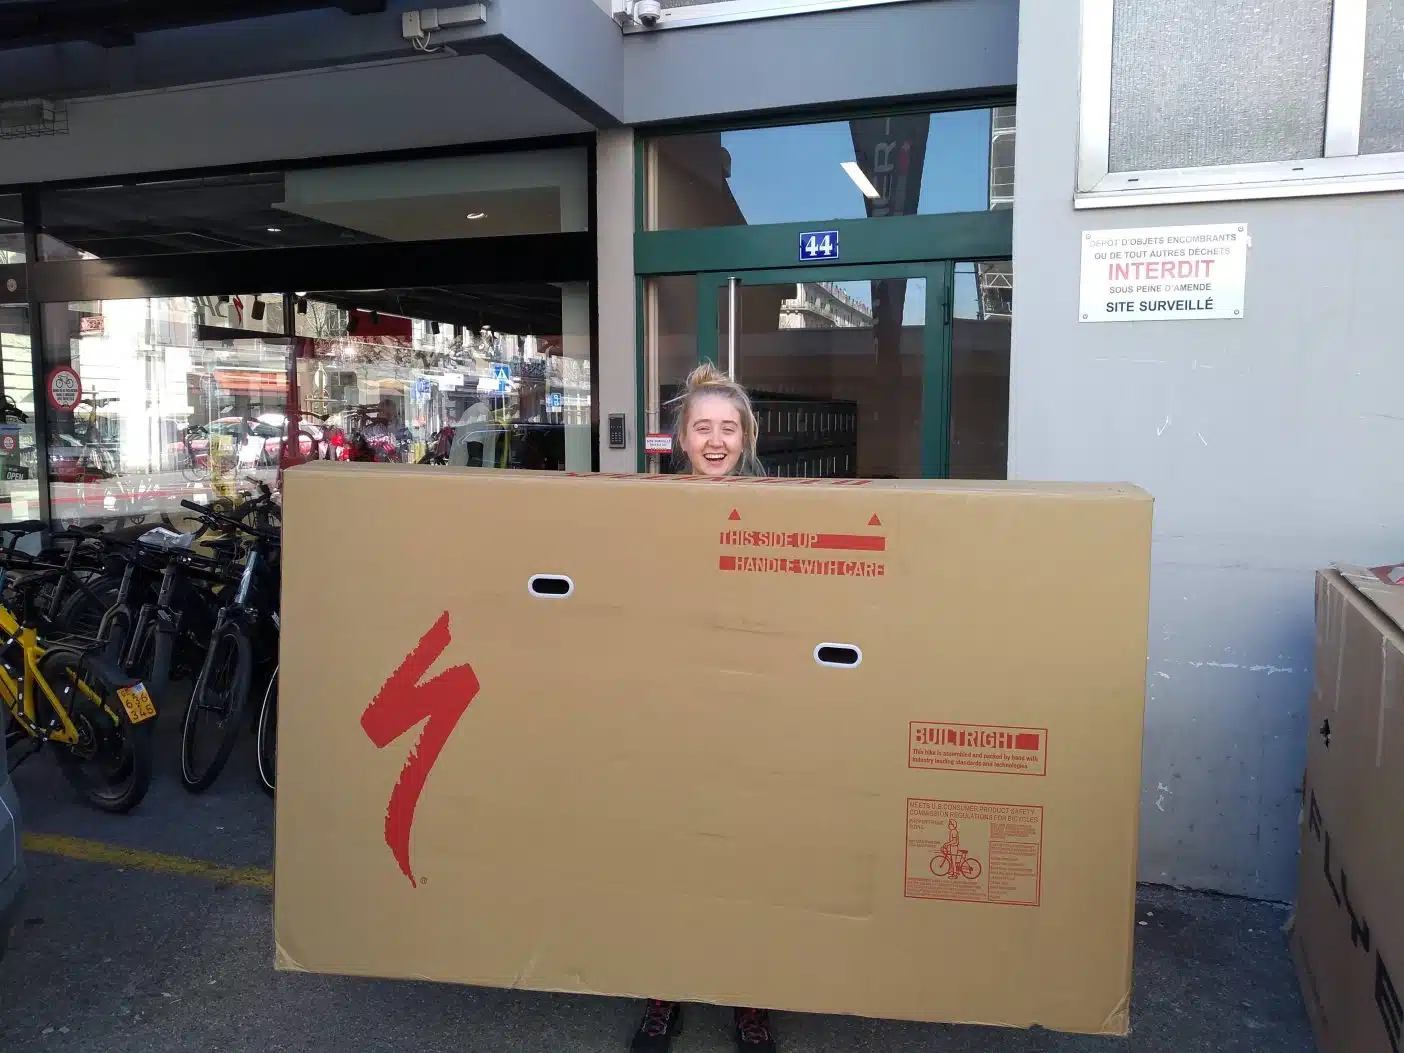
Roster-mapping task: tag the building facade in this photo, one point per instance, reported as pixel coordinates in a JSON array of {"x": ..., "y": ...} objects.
[{"x": 329, "y": 231}]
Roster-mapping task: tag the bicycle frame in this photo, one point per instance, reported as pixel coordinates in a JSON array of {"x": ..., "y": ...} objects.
[{"x": 19, "y": 694}]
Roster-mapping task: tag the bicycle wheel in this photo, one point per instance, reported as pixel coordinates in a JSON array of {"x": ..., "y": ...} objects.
[
  {"x": 112, "y": 761},
  {"x": 268, "y": 736},
  {"x": 81, "y": 613},
  {"x": 941, "y": 866},
  {"x": 211, "y": 723}
]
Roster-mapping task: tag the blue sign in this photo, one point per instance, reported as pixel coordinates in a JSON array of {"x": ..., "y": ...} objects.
[
  {"x": 502, "y": 376},
  {"x": 421, "y": 387},
  {"x": 818, "y": 245},
  {"x": 553, "y": 402}
]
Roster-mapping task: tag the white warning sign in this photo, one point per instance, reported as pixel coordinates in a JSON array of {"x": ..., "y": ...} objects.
[{"x": 1164, "y": 273}]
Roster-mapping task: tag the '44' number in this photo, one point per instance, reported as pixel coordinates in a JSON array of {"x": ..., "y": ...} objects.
[{"x": 819, "y": 245}]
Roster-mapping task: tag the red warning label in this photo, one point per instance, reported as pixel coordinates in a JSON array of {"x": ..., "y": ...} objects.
[
  {"x": 973, "y": 852},
  {"x": 804, "y": 539},
  {"x": 837, "y": 568},
  {"x": 977, "y": 747}
]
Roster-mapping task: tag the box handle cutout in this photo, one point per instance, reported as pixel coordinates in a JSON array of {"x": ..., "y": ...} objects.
[
  {"x": 838, "y": 655},
  {"x": 550, "y": 586}
]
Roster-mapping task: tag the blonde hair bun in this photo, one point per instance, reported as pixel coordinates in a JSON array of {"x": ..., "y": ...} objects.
[{"x": 707, "y": 375}]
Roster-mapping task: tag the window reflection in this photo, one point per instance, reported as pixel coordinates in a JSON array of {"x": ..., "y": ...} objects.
[
  {"x": 11, "y": 229},
  {"x": 866, "y": 167},
  {"x": 189, "y": 398},
  {"x": 503, "y": 381},
  {"x": 980, "y": 343}
]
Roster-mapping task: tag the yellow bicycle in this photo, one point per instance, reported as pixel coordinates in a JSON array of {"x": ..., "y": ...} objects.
[{"x": 101, "y": 722}]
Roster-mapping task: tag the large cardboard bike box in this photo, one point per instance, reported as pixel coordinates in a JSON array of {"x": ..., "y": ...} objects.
[
  {"x": 851, "y": 747},
  {"x": 1348, "y": 929}
]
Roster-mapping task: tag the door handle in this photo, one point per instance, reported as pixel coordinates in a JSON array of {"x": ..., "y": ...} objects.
[{"x": 733, "y": 286}]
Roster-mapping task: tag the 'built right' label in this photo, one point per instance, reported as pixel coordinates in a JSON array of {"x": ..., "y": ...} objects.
[{"x": 978, "y": 747}]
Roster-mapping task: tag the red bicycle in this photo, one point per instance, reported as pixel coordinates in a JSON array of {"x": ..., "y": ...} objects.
[{"x": 955, "y": 865}]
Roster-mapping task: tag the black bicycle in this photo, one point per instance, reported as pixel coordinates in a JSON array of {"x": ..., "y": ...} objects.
[
  {"x": 268, "y": 737},
  {"x": 242, "y": 653}
]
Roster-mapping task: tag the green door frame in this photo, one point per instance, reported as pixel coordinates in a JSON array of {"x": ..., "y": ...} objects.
[
  {"x": 771, "y": 246},
  {"x": 923, "y": 246}
]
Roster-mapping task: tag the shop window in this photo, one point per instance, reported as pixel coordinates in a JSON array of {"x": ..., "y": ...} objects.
[
  {"x": 186, "y": 398},
  {"x": 865, "y": 167},
  {"x": 495, "y": 376},
  {"x": 155, "y": 401},
  {"x": 529, "y": 192},
  {"x": 19, "y": 497},
  {"x": 1236, "y": 98},
  {"x": 11, "y": 229}
]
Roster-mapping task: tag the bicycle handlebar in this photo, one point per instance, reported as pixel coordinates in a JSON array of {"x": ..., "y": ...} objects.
[{"x": 205, "y": 513}]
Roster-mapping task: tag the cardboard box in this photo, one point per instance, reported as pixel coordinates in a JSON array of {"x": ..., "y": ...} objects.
[
  {"x": 1348, "y": 931},
  {"x": 651, "y": 786}
]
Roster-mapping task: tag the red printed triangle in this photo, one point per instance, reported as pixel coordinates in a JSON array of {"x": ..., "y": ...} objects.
[
  {"x": 735, "y": 515},
  {"x": 875, "y": 521}
]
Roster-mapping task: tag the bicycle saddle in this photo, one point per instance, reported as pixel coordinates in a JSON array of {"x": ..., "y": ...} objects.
[{"x": 166, "y": 539}]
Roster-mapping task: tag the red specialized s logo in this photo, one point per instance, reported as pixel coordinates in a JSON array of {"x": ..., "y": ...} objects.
[{"x": 404, "y": 702}]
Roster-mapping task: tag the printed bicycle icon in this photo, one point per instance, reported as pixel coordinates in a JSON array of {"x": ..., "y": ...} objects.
[{"x": 953, "y": 861}]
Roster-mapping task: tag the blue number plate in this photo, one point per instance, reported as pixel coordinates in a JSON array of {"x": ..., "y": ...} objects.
[{"x": 818, "y": 245}]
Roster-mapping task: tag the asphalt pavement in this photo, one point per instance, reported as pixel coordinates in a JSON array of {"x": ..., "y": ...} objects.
[{"x": 152, "y": 933}]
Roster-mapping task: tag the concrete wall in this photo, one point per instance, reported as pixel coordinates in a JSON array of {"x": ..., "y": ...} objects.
[
  {"x": 866, "y": 53},
  {"x": 387, "y": 106},
  {"x": 1271, "y": 445}
]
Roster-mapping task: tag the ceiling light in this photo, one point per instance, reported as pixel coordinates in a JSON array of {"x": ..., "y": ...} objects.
[
  {"x": 476, "y": 215},
  {"x": 861, "y": 181},
  {"x": 275, "y": 230}
]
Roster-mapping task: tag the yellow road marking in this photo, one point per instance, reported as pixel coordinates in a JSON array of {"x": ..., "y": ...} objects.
[{"x": 154, "y": 862}]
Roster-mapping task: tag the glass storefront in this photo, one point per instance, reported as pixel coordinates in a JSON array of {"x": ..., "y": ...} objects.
[{"x": 196, "y": 335}]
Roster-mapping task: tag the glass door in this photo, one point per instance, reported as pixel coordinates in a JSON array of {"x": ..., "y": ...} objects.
[{"x": 849, "y": 368}]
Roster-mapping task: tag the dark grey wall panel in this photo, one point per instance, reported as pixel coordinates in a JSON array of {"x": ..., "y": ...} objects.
[{"x": 876, "y": 52}]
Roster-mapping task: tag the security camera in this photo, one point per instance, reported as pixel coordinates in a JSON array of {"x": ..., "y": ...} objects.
[{"x": 648, "y": 12}]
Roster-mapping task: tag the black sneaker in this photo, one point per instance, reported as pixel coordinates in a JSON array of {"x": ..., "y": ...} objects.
[
  {"x": 753, "y": 1034},
  {"x": 661, "y": 1023}
]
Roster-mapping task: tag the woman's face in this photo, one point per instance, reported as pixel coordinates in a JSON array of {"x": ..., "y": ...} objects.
[{"x": 713, "y": 440}]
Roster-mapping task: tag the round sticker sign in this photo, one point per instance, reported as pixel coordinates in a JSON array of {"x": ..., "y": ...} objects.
[
  {"x": 65, "y": 389},
  {"x": 9, "y": 443}
]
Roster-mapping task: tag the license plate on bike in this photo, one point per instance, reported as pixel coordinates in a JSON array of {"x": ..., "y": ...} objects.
[{"x": 136, "y": 700}]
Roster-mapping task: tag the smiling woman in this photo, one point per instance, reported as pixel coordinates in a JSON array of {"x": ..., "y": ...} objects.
[{"x": 716, "y": 425}]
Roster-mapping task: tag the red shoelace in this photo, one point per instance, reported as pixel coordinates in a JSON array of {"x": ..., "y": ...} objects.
[{"x": 656, "y": 1018}]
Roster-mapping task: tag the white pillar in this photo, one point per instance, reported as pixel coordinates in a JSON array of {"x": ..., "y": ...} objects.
[{"x": 618, "y": 357}]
